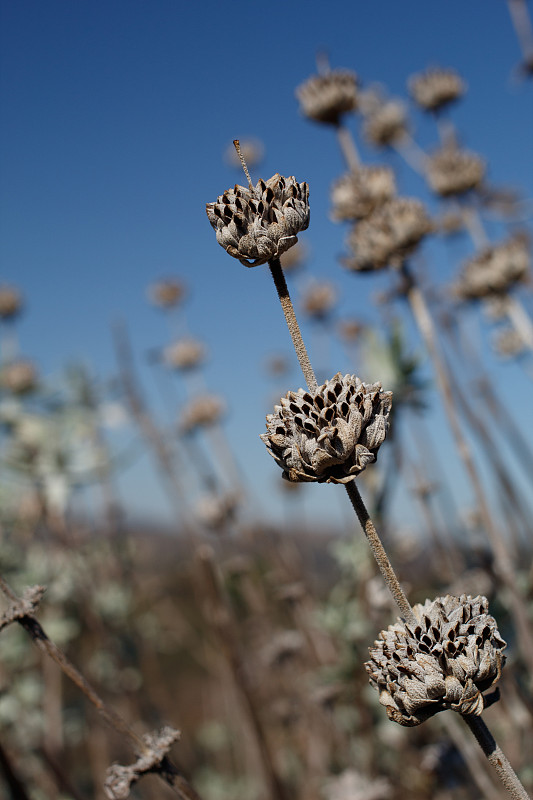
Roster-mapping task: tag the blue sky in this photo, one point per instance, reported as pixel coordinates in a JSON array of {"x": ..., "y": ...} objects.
[{"x": 115, "y": 118}]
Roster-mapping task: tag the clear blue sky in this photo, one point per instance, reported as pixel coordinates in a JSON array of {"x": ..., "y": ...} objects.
[{"x": 115, "y": 116}]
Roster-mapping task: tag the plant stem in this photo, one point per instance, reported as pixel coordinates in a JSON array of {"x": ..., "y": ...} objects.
[
  {"x": 292, "y": 323},
  {"x": 379, "y": 553},
  {"x": 520, "y": 320},
  {"x": 348, "y": 147},
  {"x": 496, "y": 757}
]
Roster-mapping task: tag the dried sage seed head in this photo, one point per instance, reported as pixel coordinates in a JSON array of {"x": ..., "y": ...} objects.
[
  {"x": 202, "y": 412},
  {"x": 325, "y": 98},
  {"x": 446, "y": 661},
  {"x": 10, "y": 302},
  {"x": 329, "y": 435},
  {"x": 319, "y": 300},
  {"x": 19, "y": 377},
  {"x": 451, "y": 171},
  {"x": 388, "y": 235},
  {"x": 185, "y": 354},
  {"x": 386, "y": 124},
  {"x": 435, "y": 88},
  {"x": 167, "y": 293},
  {"x": 257, "y": 224},
  {"x": 495, "y": 270},
  {"x": 358, "y": 193}
]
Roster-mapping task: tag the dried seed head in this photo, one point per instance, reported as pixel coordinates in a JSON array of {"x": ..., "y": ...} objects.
[
  {"x": 167, "y": 293},
  {"x": 446, "y": 661},
  {"x": 10, "y": 302},
  {"x": 256, "y": 224},
  {"x": 185, "y": 354},
  {"x": 294, "y": 258},
  {"x": 507, "y": 343},
  {"x": 350, "y": 329},
  {"x": 202, "y": 412},
  {"x": 386, "y": 124},
  {"x": 435, "y": 88},
  {"x": 283, "y": 646},
  {"x": 452, "y": 171},
  {"x": 216, "y": 511},
  {"x": 325, "y": 98},
  {"x": 19, "y": 377},
  {"x": 319, "y": 300},
  {"x": 449, "y": 223},
  {"x": 388, "y": 235},
  {"x": 358, "y": 193},
  {"x": 278, "y": 364},
  {"x": 495, "y": 270},
  {"x": 329, "y": 435}
]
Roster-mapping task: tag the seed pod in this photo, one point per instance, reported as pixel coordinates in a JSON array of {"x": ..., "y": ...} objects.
[
  {"x": 257, "y": 224},
  {"x": 325, "y": 98},
  {"x": 387, "y": 124},
  {"x": 436, "y": 88},
  {"x": 319, "y": 300},
  {"x": 202, "y": 412},
  {"x": 451, "y": 171},
  {"x": 388, "y": 235},
  {"x": 185, "y": 354},
  {"x": 10, "y": 302},
  {"x": 446, "y": 661},
  {"x": 358, "y": 193},
  {"x": 329, "y": 435},
  {"x": 494, "y": 270},
  {"x": 167, "y": 293}
]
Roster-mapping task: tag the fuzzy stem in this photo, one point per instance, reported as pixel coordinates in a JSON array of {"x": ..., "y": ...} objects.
[
  {"x": 292, "y": 324},
  {"x": 379, "y": 554},
  {"x": 520, "y": 320},
  {"x": 496, "y": 757},
  {"x": 348, "y": 147}
]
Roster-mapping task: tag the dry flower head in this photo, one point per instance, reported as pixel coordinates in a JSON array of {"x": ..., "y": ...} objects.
[
  {"x": 202, "y": 412},
  {"x": 446, "y": 661},
  {"x": 319, "y": 300},
  {"x": 10, "y": 302},
  {"x": 325, "y": 98},
  {"x": 451, "y": 171},
  {"x": 167, "y": 293},
  {"x": 495, "y": 270},
  {"x": 435, "y": 88},
  {"x": 329, "y": 435},
  {"x": 185, "y": 354},
  {"x": 358, "y": 193},
  {"x": 386, "y": 124},
  {"x": 19, "y": 377}
]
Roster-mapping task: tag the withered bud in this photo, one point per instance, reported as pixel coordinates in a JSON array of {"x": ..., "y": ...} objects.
[
  {"x": 446, "y": 661},
  {"x": 19, "y": 377},
  {"x": 451, "y": 171},
  {"x": 185, "y": 354},
  {"x": 325, "y": 98},
  {"x": 257, "y": 224},
  {"x": 358, "y": 193},
  {"x": 167, "y": 293},
  {"x": 435, "y": 88},
  {"x": 388, "y": 235},
  {"x": 495, "y": 269},
  {"x": 10, "y": 302},
  {"x": 386, "y": 124},
  {"x": 329, "y": 435},
  {"x": 202, "y": 412},
  {"x": 319, "y": 300}
]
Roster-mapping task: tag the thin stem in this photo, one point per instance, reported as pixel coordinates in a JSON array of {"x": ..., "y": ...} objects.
[
  {"x": 292, "y": 324},
  {"x": 348, "y": 147},
  {"x": 411, "y": 152},
  {"x": 379, "y": 553},
  {"x": 522, "y": 25},
  {"x": 496, "y": 757},
  {"x": 520, "y": 320}
]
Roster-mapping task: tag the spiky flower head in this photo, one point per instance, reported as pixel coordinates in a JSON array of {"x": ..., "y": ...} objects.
[
  {"x": 167, "y": 293},
  {"x": 446, "y": 661},
  {"x": 19, "y": 377},
  {"x": 10, "y": 302},
  {"x": 359, "y": 192},
  {"x": 202, "y": 412},
  {"x": 495, "y": 270},
  {"x": 331, "y": 434},
  {"x": 257, "y": 224},
  {"x": 325, "y": 98},
  {"x": 185, "y": 354},
  {"x": 451, "y": 171},
  {"x": 388, "y": 235},
  {"x": 434, "y": 88},
  {"x": 319, "y": 300},
  {"x": 386, "y": 124}
]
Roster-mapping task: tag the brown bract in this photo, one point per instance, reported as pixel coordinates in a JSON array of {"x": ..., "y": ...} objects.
[
  {"x": 435, "y": 88},
  {"x": 359, "y": 192},
  {"x": 446, "y": 661},
  {"x": 328, "y": 436},
  {"x": 325, "y": 98},
  {"x": 388, "y": 235},
  {"x": 495, "y": 270},
  {"x": 257, "y": 224},
  {"x": 451, "y": 171}
]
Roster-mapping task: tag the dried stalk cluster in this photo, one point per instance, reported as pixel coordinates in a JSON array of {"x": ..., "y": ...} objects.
[
  {"x": 257, "y": 224},
  {"x": 495, "y": 270},
  {"x": 451, "y": 171},
  {"x": 446, "y": 661},
  {"x": 358, "y": 193},
  {"x": 325, "y": 98},
  {"x": 330, "y": 435},
  {"x": 386, "y": 124}
]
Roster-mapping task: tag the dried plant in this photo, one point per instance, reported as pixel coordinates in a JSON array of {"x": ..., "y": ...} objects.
[{"x": 436, "y": 88}]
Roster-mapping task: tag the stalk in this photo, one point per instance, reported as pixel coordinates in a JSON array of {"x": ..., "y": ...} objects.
[
  {"x": 348, "y": 147},
  {"x": 496, "y": 757}
]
